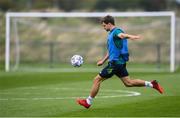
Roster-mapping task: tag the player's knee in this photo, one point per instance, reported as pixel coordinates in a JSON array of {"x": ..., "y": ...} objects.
[
  {"x": 128, "y": 83},
  {"x": 98, "y": 80}
]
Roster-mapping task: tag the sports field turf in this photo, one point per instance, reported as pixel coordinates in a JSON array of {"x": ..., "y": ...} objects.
[{"x": 53, "y": 94}]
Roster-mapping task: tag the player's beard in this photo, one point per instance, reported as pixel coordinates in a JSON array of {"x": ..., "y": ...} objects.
[{"x": 107, "y": 30}]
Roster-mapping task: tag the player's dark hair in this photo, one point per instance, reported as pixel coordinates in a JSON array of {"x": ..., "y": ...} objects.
[{"x": 107, "y": 19}]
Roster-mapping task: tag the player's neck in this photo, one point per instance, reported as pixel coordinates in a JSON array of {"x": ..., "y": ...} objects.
[{"x": 112, "y": 27}]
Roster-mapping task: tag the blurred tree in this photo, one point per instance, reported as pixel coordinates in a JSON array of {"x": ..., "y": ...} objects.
[
  {"x": 21, "y": 4},
  {"x": 118, "y": 4},
  {"x": 41, "y": 4},
  {"x": 88, "y": 4},
  {"x": 68, "y": 5},
  {"x": 178, "y": 2},
  {"x": 5, "y": 5},
  {"x": 55, "y": 3},
  {"x": 29, "y": 4},
  {"x": 154, "y": 5}
]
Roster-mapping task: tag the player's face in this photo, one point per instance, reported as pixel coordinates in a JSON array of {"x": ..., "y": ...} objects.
[{"x": 106, "y": 26}]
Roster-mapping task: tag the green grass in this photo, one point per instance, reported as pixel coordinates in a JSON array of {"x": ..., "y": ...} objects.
[{"x": 19, "y": 92}]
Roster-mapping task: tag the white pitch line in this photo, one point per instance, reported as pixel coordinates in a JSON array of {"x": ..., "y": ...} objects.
[
  {"x": 125, "y": 94},
  {"x": 90, "y": 69}
]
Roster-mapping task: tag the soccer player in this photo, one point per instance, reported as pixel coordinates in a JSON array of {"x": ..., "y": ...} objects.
[{"x": 117, "y": 55}]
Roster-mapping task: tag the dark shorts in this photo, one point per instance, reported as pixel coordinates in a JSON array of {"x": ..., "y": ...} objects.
[{"x": 114, "y": 68}]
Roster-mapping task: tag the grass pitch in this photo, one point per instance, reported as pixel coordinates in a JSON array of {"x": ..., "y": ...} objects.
[{"x": 53, "y": 94}]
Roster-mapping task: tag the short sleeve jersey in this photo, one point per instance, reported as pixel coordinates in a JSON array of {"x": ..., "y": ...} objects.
[{"x": 116, "y": 46}]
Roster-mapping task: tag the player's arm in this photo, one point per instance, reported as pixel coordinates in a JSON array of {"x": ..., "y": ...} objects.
[
  {"x": 102, "y": 61},
  {"x": 129, "y": 36}
]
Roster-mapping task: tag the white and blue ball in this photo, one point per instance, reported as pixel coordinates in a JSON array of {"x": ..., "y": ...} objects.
[{"x": 76, "y": 60}]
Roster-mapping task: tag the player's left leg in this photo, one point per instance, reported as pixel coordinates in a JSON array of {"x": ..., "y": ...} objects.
[
  {"x": 135, "y": 82},
  {"x": 122, "y": 73},
  {"x": 139, "y": 83}
]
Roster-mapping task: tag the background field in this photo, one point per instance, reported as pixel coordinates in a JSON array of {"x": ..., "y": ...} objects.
[
  {"x": 56, "y": 40},
  {"x": 54, "y": 93}
]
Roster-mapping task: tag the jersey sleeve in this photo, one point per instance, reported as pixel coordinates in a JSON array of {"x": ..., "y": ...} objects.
[
  {"x": 117, "y": 32},
  {"x": 118, "y": 43}
]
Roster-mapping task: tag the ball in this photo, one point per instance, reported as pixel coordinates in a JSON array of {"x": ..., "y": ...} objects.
[{"x": 76, "y": 60}]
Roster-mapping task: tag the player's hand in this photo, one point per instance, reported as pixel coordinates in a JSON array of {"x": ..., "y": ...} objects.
[
  {"x": 137, "y": 37},
  {"x": 99, "y": 63}
]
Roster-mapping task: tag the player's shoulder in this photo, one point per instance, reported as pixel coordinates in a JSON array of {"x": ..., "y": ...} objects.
[{"x": 120, "y": 30}]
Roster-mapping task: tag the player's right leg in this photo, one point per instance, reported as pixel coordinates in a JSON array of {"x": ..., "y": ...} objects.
[
  {"x": 96, "y": 85},
  {"x": 94, "y": 90},
  {"x": 106, "y": 73}
]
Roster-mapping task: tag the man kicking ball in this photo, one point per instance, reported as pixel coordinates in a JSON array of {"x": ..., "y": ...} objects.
[{"x": 117, "y": 55}]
